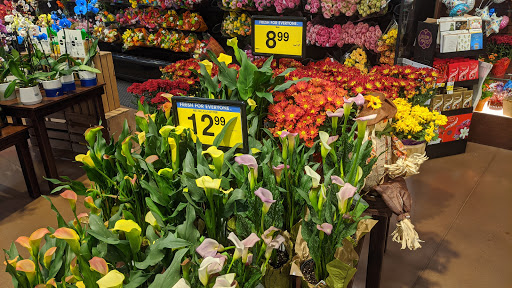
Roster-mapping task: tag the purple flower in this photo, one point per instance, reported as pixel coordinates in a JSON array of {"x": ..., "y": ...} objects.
[
  {"x": 249, "y": 161},
  {"x": 366, "y": 118},
  {"x": 325, "y": 227},
  {"x": 266, "y": 197},
  {"x": 209, "y": 247},
  {"x": 359, "y": 100},
  {"x": 278, "y": 171}
]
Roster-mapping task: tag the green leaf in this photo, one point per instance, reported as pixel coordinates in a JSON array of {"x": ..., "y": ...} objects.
[
  {"x": 89, "y": 69},
  {"x": 100, "y": 232},
  {"x": 288, "y": 84},
  {"x": 187, "y": 230},
  {"x": 266, "y": 95},
  {"x": 172, "y": 274},
  {"x": 245, "y": 82},
  {"x": 137, "y": 278},
  {"x": 60, "y": 220},
  {"x": 153, "y": 208},
  {"x": 340, "y": 274},
  {"x": 10, "y": 89},
  {"x": 228, "y": 127}
]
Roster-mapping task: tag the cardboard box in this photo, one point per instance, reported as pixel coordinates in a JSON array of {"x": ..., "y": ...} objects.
[
  {"x": 453, "y": 72},
  {"x": 437, "y": 103},
  {"x": 447, "y": 102},
  {"x": 473, "y": 70},
  {"x": 457, "y": 100},
  {"x": 467, "y": 99}
]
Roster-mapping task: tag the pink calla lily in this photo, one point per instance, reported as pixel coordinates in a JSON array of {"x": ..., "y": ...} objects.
[
  {"x": 209, "y": 247},
  {"x": 278, "y": 171},
  {"x": 366, "y": 118},
  {"x": 99, "y": 265},
  {"x": 71, "y": 197},
  {"x": 325, "y": 227},
  {"x": 265, "y": 197},
  {"x": 346, "y": 192},
  {"x": 337, "y": 180},
  {"x": 337, "y": 113}
]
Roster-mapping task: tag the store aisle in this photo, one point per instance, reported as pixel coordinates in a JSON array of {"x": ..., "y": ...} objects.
[{"x": 460, "y": 210}]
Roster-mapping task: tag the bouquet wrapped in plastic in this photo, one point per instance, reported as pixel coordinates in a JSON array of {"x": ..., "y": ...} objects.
[
  {"x": 387, "y": 44},
  {"x": 367, "y": 8},
  {"x": 236, "y": 24},
  {"x": 356, "y": 57}
]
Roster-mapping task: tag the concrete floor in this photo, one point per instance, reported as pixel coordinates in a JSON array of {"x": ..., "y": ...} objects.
[{"x": 459, "y": 210}]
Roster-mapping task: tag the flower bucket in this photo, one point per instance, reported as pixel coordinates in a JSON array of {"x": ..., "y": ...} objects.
[
  {"x": 30, "y": 95},
  {"x": 53, "y": 88},
  {"x": 500, "y": 68},
  {"x": 68, "y": 83},
  {"x": 481, "y": 104},
  {"x": 414, "y": 147},
  {"x": 3, "y": 86},
  {"x": 87, "y": 78}
]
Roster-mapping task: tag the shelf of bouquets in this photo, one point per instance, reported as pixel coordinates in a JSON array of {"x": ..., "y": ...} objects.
[{"x": 164, "y": 211}]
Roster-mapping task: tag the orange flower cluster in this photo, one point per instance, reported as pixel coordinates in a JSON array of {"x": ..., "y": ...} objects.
[
  {"x": 393, "y": 81},
  {"x": 302, "y": 108}
]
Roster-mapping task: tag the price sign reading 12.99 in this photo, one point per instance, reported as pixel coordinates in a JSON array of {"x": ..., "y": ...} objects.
[
  {"x": 284, "y": 36},
  {"x": 209, "y": 117}
]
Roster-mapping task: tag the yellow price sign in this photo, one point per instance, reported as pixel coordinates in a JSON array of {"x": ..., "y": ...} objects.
[
  {"x": 209, "y": 117},
  {"x": 284, "y": 36}
]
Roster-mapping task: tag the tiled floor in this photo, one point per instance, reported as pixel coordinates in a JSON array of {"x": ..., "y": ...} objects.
[{"x": 461, "y": 210}]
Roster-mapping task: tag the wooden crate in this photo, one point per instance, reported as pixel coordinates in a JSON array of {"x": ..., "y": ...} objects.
[{"x": 103, "y": 61}]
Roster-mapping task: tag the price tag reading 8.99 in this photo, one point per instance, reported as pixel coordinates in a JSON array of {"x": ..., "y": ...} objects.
[
  {"x": 278, "y": 36},
  {"x": 209, "y": 117}
]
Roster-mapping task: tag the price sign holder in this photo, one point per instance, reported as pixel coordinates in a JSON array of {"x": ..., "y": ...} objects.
[
  {"x": 207, "y": 117},
  {"x": 279, "y": 36},
  {"x": 449, "y": 87}
]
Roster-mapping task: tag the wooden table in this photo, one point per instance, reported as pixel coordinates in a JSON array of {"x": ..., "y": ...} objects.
[
  {"x": 12, "y": 135},
  {"x": 36, "y": 114}
]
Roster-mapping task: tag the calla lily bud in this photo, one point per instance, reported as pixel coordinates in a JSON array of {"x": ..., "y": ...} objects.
[
  {"x": 252, "y": 104},
  {"x": 99, "y": 265},
  {"x": 166, "y": 130},
  {"x": 126, "y": 150},
  {"x": 89, "y": 204},
  {"x": 346, "y": 192},
  {"x": 265, "y": 197},
  {"x": 278, "y": 171},
  {"x": 325, "y": 228},
  {"x": 141, "y": 136},
  {"x": 113, "y": 279},
  {"x": 71, "y": 197},
  {"x": 174, "y": 153},
  {"x": 90, "y": 135},
  {"x": 250, "y": 162},
  {"x": 321, "y": 197},
  {"x": 166, "y": 172},
  {"x": 48, "y": 255}
]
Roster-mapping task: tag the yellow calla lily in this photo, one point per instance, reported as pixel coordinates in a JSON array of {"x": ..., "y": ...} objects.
[
  {"x": 166, "y": 172},
  {"x": 252, "y": 104},
  {"x": 153, "y": 116},
  {"x": 208, "y": 65},
  {"x": 218, "y": 158},
  {"x": 166, "y": 130},
  {"x": 113, "y": 279},
  {"x": 80, "y": 284},
  {"x": 178, "y": 130},
  {"x": 226, "y": 191},
  {"x": 85, "y": 159},
  {"x": 48, "y": 255},
  {"x": 167, "y": 107},
  {"x": 255, "y": 150},
  {"x": 174, "y": 151},
  {"x": 90, "y": 135},
  {"x": 225, "y": 58},
  {"x": 126, "y": 147},
  {"x": 142, "y": 137},
  {"x": 150, "y": 218},
  {"x": 28, "y": 267},
  {"x": 206, "y": 182},
  {"x": 132, "y": 231},
  {"x": 99, "y": 265}
]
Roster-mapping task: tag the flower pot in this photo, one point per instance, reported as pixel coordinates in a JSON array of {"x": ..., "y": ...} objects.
[
  {"x": 500, "y": 68},
  {"x": 481, "y": 104},
  {"x": 413, "y": 148},
  {"x": 53, "y": 88},
  {"x": 30, "y": 95},
  {"x": 87, "y": 78},
  {"x": 3, "y": 86},
  {"x": 68, "y": 83}
]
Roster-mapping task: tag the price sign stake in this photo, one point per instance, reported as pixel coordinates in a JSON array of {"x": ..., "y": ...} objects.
[
  {"x": 208, "y": 117},
  {"x": 283, "y": 36}
]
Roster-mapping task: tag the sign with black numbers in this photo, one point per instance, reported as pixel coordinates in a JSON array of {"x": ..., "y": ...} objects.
[
  {"x": 283, "y": 36},
  {"x": 210, "y": 117}
]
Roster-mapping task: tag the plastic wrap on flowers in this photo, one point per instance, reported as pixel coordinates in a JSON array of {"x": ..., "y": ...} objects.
[
  {"x": 134, "y": 38},
  {"x": 181, "y": 4},
  {"x": 332, "y": 8},
  {"x": 286, "y": 6},
  {"x": 212, "y": 45},
  {"x": 150, "y": 18},
  {"x": 356, "y": 57},
  {"x": 361, "y": 34},
  {"x": 264, "y": 5},
  {"x": 371, "y": 8},
  {"x": 188, "y": 43},
  {"x": 152, "y": 40},
  {"x": 109, "y": 35},
  {"x": 387, "y": 44},
  {"x": 236, "y": 24},
  {"x": 129, "y": 17}
]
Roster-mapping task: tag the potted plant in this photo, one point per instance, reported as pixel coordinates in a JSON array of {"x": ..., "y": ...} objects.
[
  {"x": 57, "y": 68},
  {"x": 86, "y": 72},
  {"x": 28, "y": 84}
]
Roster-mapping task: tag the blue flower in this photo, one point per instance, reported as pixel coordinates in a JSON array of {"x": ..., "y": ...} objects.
[
  {"x": 95, "y": 10},
  {"x": 20, "y": 40},
  {"x": 64, "y": 23},
  {"x": 81, "y": 2},
  {"x": 54, "y": 16},
  {"x": 42, "y": 36},
  {"x": 55, "y": 27},
  {"x": 80, "y": 10},
  {"x": 93, "y": 2}
]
